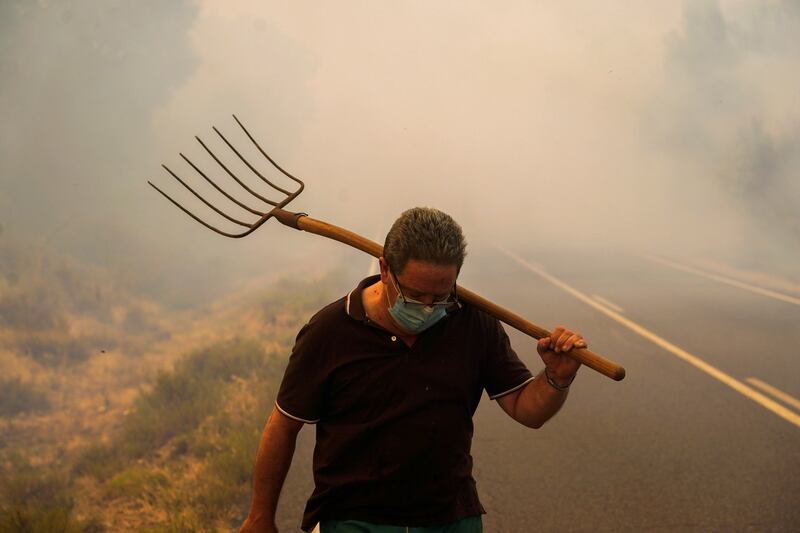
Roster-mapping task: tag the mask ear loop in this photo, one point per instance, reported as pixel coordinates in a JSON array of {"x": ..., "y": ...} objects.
[
  {"x": 456, "y": 305},
  {"x": 389, "y": 305}
]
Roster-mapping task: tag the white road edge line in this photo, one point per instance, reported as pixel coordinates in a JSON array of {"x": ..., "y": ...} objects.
[
  {"x": 777, "y": 393},
  {"x": 607, "y": 303},
  {"x": 722, "y": 279},
  {"x": 693, "y": 360}
]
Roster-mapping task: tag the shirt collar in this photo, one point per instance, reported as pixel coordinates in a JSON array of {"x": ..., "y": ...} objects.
[{"x": 354, "y": 303}]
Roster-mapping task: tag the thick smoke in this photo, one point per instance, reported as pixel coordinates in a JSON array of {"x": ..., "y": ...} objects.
[
  {"x": 80, "y": 80},
  {"x": 732, "y": 108},
  {"x": 660, "y": 126}
]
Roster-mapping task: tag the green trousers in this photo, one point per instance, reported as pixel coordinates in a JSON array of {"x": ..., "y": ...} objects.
[{"x": 472, "y": 524}]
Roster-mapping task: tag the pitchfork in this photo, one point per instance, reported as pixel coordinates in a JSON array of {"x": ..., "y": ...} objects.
[{"x": 260, "y": 214}]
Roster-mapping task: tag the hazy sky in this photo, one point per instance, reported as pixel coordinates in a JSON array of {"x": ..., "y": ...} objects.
[{"x": 657, "y": 125}]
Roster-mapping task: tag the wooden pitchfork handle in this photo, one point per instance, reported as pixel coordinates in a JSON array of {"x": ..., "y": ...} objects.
[{"x": 303, "y": 222}]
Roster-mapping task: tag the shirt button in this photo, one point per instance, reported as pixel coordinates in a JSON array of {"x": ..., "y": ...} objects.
[{"x": 394, "y": 338}]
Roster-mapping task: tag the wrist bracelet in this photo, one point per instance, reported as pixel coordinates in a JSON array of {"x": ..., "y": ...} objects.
[{"x": 552, "y": 383}]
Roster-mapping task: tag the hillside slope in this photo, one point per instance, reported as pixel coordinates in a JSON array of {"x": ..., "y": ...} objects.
[{"x": 120, "y": 415}]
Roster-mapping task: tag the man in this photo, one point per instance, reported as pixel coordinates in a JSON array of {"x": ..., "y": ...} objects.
[{"x": 391, "y": 374}]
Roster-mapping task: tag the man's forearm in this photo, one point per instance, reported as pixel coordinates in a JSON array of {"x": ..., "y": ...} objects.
[
  {"x": 273, "y": 459},
  {"x": 538, "y": 402}
]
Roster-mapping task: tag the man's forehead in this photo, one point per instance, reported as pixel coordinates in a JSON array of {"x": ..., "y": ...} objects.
[
  {"x": 428, "y": 278},
  {"x": 425, "y": 267}
]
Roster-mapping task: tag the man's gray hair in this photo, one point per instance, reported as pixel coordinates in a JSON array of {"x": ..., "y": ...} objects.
[{"x": 424, "y": 234}]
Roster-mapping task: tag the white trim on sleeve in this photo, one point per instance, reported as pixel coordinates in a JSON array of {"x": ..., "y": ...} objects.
[
  {"x": 509, "y": 391},
  {"x": 295, "y": 417},
  {"x": 347, "y": 303}
]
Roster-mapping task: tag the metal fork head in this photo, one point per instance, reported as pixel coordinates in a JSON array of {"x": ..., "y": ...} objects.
[{"x": 263, "y": 214}]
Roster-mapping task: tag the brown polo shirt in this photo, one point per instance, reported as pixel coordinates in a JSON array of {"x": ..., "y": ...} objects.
[{"x": 394, "y": 423}]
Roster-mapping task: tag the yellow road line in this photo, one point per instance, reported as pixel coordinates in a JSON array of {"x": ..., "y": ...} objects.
[
  {"x": 607, "y": 303},
  {"x": 777, "y": 393},
  {"x": 722, "y": 279},
  {"x": 693, "y": 360}
]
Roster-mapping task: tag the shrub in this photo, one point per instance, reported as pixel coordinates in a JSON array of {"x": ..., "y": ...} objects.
[
  {"x": 37, "y": 500},
  {"x": 53, "y": 348},
  {"x": 186, "y": 522},
  {"x": 32, "y": 308},
  {"x": 138, "y": 322},
  {"x": 135, "y": 482},
  {"x": 18, "y": 397},
  {"x": 225, "y": 479},
  {"x": 177, "y": 404},
  {"x": 223, "y": 361},
  {"x": 101, "y": 461},
  {"x": 27, "y": 518},
  {"x": 23, "y": 483},
  {"x": 297, "y": 297}
]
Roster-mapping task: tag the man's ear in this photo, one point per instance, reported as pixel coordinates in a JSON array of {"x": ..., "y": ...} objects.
[{"x": 384, "y": 266}]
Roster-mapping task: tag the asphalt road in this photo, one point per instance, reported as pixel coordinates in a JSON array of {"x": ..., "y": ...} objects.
[{"x": 673, "y": 447}]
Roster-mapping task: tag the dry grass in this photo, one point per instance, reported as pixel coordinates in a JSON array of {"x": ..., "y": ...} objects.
[{"x": 136, "y": 416}]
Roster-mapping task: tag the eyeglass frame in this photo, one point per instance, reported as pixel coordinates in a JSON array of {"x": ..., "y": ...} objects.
[{"x": 450, "y": 301}]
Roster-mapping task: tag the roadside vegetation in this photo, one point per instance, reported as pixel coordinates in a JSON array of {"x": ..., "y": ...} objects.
[
  {"x": 37, "y": 499},
  {"x": 175, "y": 457},
  {"x": 18, "y": 397},
  {"x": 59, "y": 312}
]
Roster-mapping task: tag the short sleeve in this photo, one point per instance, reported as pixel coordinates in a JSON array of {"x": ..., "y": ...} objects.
[
  {"x": 302, "y": 390},
  {"x": 504, "y": 372}
]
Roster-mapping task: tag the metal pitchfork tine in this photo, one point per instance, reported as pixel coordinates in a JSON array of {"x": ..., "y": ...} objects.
[
  {"x": 263, "y": 216},
  {"x": 302, "y": 221}
]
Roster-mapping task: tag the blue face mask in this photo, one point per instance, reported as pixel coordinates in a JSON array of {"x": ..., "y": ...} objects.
[{"x": 414, "y": 317}]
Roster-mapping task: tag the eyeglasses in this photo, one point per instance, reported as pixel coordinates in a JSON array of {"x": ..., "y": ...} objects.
[{"x": 452, "y": 299}]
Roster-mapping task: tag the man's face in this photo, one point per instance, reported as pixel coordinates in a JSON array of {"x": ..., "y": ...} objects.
[{"x": 420, "y": 280}]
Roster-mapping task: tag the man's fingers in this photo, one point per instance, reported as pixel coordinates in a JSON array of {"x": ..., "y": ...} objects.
[
  {"x": 574, "y": 340},
  {"x": 544, "y": 344},
  {"x": 555, "y": 336},
  {"x": 567, "y": 346},
  {"x": 562, "y": 340},
  {"x": 566, "y": 341}
]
